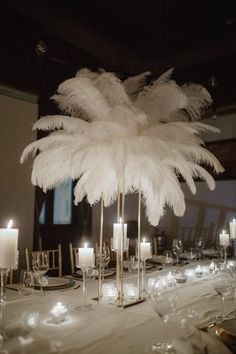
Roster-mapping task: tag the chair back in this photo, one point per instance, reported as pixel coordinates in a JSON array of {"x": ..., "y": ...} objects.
[
  {"x": 73, "y": 253},
  {"x": 54, "y": 259}
]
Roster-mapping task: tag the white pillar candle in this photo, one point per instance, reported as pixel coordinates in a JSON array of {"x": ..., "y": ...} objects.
[
  {"x": 224, "y": 239},
  {"x": 232, "y": 227},
  {"x": 85, "y": 257},
  {"x": 145, "y": 250},
  {"x": 8, "y": 246},
  {"x": 117, "y": 235}
]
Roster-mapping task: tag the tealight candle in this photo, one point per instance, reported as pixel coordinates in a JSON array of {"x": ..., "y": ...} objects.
[
  {"x": 8, "y": 246},
  {"x": 145, "y": 250},
  {"x": 85, "y": 257},
  {"x": 224, "y": 239},
  {"x": 232, "y": 227},
  {"x": 117, "y": 236},
  {"x": 58, "y": 312}
]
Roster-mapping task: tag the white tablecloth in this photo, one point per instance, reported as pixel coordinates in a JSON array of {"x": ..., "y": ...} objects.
[{"x": 107, "y": 329}]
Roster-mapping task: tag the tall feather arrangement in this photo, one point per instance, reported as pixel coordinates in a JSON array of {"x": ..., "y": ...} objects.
[{"x": 146, "y": 134}]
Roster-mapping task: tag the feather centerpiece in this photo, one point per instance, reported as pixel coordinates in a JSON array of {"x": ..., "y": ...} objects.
[{"x": 145, "y": 134}]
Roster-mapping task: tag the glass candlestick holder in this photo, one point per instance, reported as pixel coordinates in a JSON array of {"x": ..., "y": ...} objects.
[
  {"x": 3, "y": 282},
  {"x": 85, "y": 305},
  {"x": 143, "y": 268}
]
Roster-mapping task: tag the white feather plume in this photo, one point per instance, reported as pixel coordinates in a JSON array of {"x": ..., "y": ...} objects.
[{"x": 146, "y": 134}]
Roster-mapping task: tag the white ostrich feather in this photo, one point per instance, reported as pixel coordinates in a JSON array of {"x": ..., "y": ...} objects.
[
  {"x": 146, "y": 135},
  {"x": 134, "y": 84},
  {"x": 80, "y": 93},
  {"x": 67, "y": 123},
  {"x": 112, "y": 89},
  {"x": 164, "y": 78}
]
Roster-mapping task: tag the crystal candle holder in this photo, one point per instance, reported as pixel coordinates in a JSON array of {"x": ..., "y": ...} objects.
[
  {"x": 109, "y": 292},
  {"x": 30, "y": 320},
  {"x": 199, "y": 271},
  {"x": 130, "y": 292},
  {"x": 58, "y": 312}
]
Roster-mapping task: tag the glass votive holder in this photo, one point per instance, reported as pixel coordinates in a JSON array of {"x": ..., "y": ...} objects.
[
  {"x": 170, "y": 280},
  {"x": 199, "y": 271},
  {"x": 109, "y": 292},
  {"x": 30, "y": 320},
  {"x": 58, "y": 312},
  {"x": 190, "y": 274},
  {"x": 130, "y": 291},
  {"x": 151, "y": 284}
]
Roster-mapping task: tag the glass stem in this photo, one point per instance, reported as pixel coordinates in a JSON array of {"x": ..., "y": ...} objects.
[
  {"x": 143, "y": 273},
  {"x": 85, "y": 286},
  {"x": 225, "y": 255},
  {"x": 222, "y": 306},
  {"x": 3, "y": 282},
  {"x": 177, "y": 260}
]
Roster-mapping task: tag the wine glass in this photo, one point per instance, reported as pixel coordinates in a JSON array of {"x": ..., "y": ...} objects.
[
  {"x": 168, "y": 258},
  {"x": 222, "y": 283},
  {"x": 200, "y": 245},
  {"x": 165, "y": 304},
  {"x": 26, "y": 284},
  {"x": 103, "y": 259},
  {"x": 177, "y": 249},
  {"x": 40, "y": 265}
]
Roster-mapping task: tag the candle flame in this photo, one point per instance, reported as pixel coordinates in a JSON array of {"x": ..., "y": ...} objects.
[
  {"x": 85, "y": 245},
  {"x": 9, "y": 225},
  {"x": 234, "y": 220},
  {"x": 120, "y": 220},
  {"x": 144, "y": 240},
  {"x": 223, "y": 232}
]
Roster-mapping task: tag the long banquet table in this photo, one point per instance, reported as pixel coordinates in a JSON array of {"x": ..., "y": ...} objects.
[{"x": 106, "y": 328}]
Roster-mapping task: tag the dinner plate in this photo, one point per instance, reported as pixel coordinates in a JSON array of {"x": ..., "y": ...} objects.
[
  {"x": 107, "y": 273},
  {"x": 54, "y": 283}
]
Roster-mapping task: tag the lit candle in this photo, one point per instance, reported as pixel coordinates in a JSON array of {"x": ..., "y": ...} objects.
[
  {"x": 212, "y": 267},
  {"x": 8, "y": 246},
  {"x": 145, "y": 250},
  {"x": 85, "y": 257},
  {"x": 224, "y": 239},
  {"x": 232, "y": 227},
  {"x": 58, "y": 312},
  {"x": 117, "y": 235}
]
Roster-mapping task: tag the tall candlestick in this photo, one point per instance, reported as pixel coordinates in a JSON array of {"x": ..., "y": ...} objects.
[
  {"x": 145, "y": 250},
  {"x": 224, "y": 239},
  {"x": 85, "y": 257},
  {"x": 8, "y": 246},
  {"x": 232, "y": 226}
]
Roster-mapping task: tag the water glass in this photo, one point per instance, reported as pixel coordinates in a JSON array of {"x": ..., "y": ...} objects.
[
  {"x": 26, "y": 284},
  {"x": 40, "y": 265},
  {"x": 168, "y": 258}
]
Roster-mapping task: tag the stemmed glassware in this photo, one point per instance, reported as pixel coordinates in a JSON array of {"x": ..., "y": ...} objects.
[
  {"x": 222, "y": 283},
  {"x": 168, "y": 258},
  {"x": 26, "y": 284},
  {"x": 104, "y": 259},
  {"x": 40, "y": 264},
  {"x": 200, "y": 245},
  {"x": 177, "y": 249},
  {"x": 164, "y": 303}
]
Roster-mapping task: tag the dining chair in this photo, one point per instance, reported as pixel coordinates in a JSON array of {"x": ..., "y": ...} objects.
[
  {"x": 54, "y": 259},
  {"x": 73, "y": 252}
]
